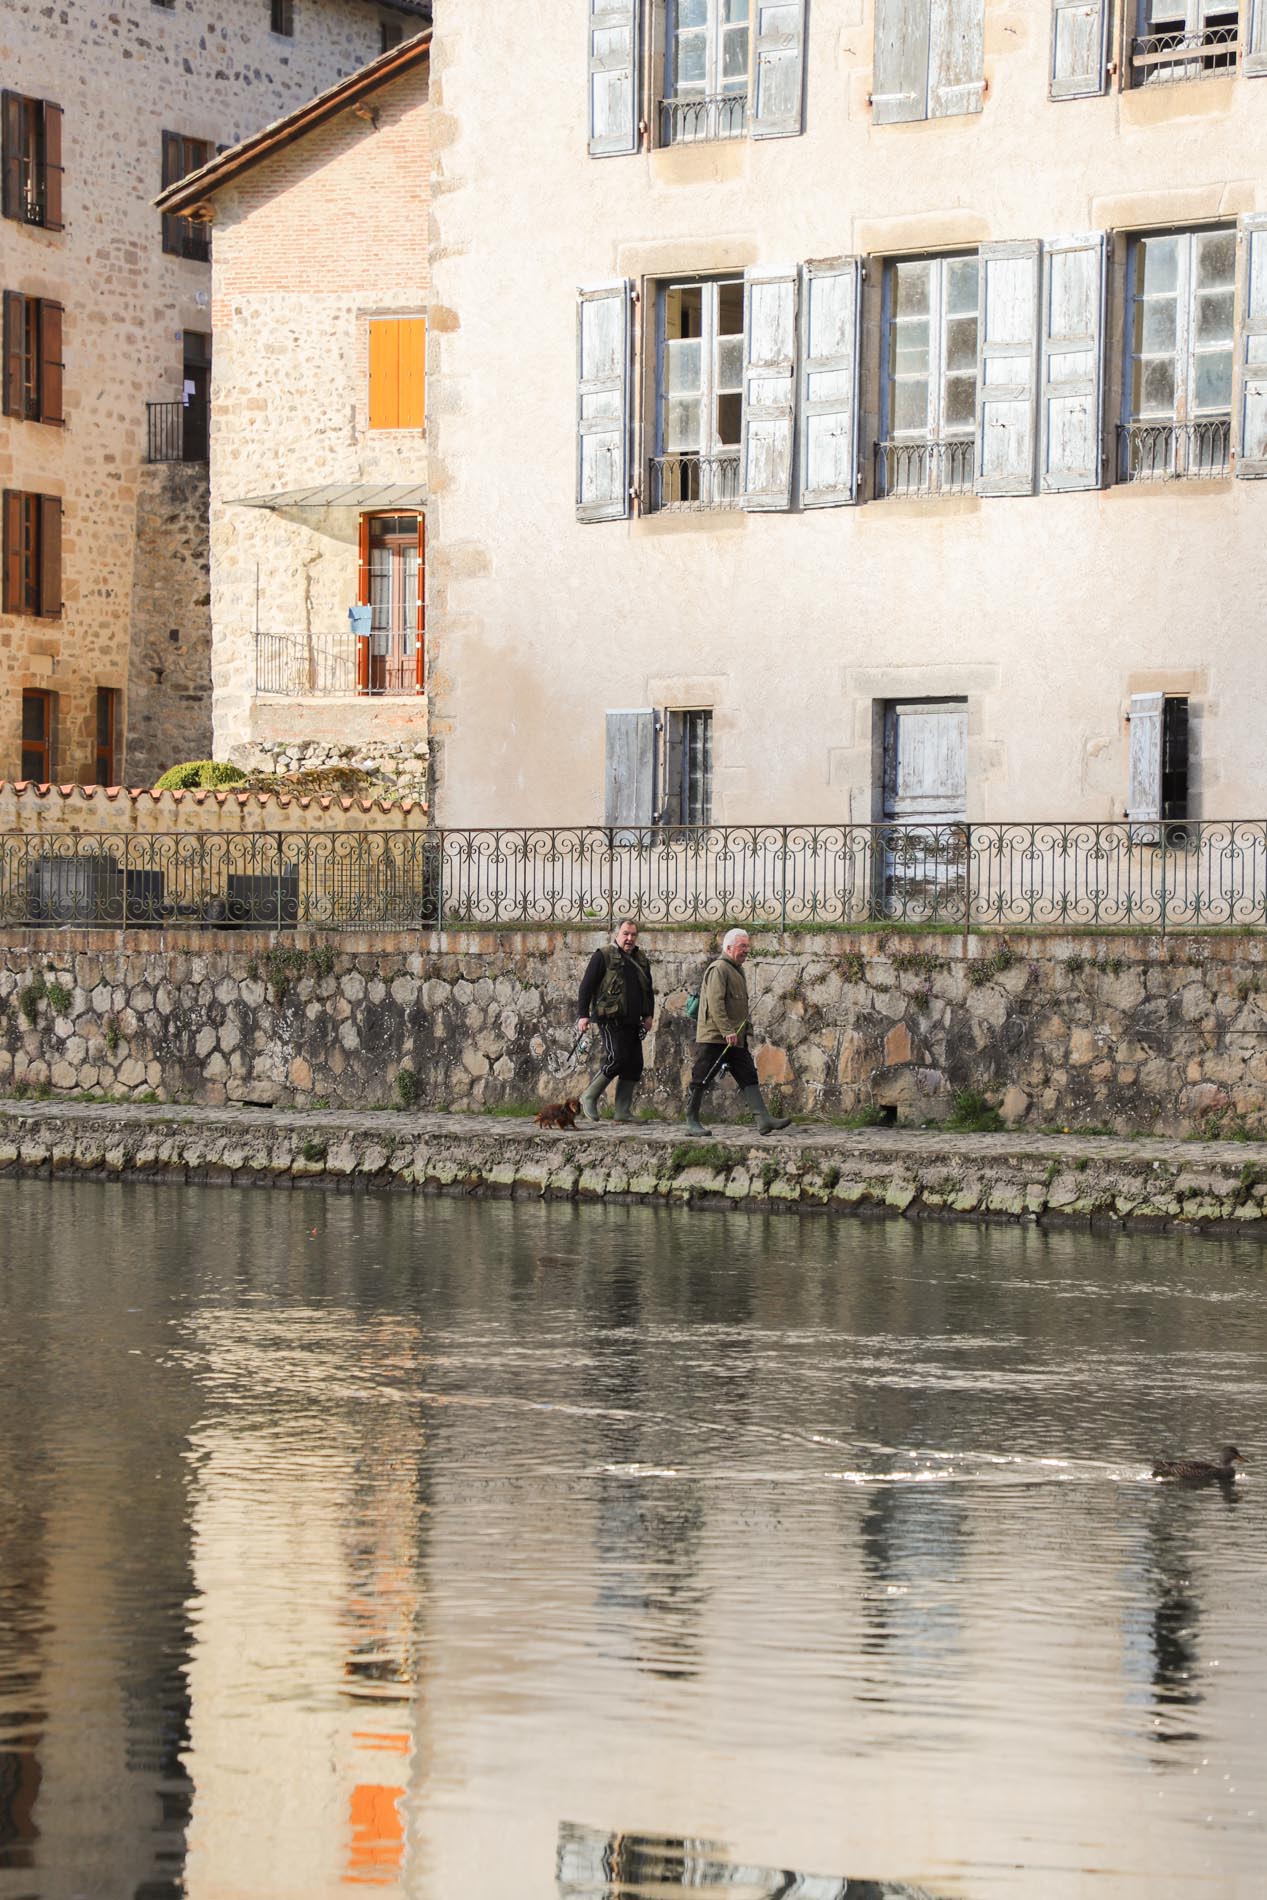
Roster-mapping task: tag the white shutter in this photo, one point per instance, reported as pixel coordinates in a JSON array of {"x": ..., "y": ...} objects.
[
  {"x": 1254, "y": 62},
  {"x": 830, "y": 293},
  {"x": 956, "y": 57},
  {"x": 1143, "y": 794},
  {"x": 603, "y": 333},
  {"x": 630, "y": 774},
  {"x": 613, "y": 76},
  {"x": 769, "y": 373},
  {"x": 1251, "y": 343},
  {"x": 1079, "y": 48},
  {"x": 1007, "y": 368},
  {"x": 899, "y": 62},
  {"x": 779, "y": 81},
  {"x": 1071, "y": 400}
]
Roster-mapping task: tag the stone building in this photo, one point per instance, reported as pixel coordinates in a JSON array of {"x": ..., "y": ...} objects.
[
  {"x": 870, "y": 428},
  {"x": 318, "y": 447},
  {"x": 104, "y": 619}
]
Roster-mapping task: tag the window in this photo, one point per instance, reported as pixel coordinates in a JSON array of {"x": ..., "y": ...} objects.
[
  {"x": 687, "y": 780},
  {"x": 390, "y": 33},
  {"x": 281, "y": 18},
  {"x": 397, "y": 372},
  {"x": 32, "y": 358},
  {"x": 1159, "y": 758},
  {"x": 184, "y": 237},
  {"x": 706, "y": 70},
  {"x": 930, "y": 365},
  {"x": 391, "y": 583},
  {"x": 31, "y": 159},
  {"x": 1180, "y": 339},
  {"x": 106, "y": 758},
  {"x": 32, "y": 544},
  {"x": 1184, "y": 39},
  {"x": 699, "y": 395},
  {"x": 929, "y": 59},
  {"x": 659, "y": 768},
  {"x": 38, "y": 750}
]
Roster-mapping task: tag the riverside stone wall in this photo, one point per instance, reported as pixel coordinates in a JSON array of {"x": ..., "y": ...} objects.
[{"x": 1127, "y": 1033}]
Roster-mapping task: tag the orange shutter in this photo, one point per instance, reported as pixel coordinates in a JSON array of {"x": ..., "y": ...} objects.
[
  {"x": 384, "y": 374},
  {"x": 413, "y": 373}
]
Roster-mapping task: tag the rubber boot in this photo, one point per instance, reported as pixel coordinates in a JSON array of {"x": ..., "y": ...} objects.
[
  {"x": 593, "y": 1096},
  {"x": 694, "y": 1103},
  {"x": 766, "y": 1122},
  {"x": 625, "y": 1092}
]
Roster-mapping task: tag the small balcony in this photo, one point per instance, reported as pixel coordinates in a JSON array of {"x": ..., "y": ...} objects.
[
  {"x": 338, "y": 665},
  {"x": 703, "y": 121},
  {"x": 915, "y": 466},
  {"x": 1163, "y": 59},
  {"x": 695, "y": 484},
  {"x": 176, "y": 431},
  {"x": 1175, "y": 451}
]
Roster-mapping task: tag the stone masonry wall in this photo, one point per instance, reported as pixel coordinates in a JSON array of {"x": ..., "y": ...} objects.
[
  {"x": 1125, "y": 1032},
  {"x": 169, "y": 667}
]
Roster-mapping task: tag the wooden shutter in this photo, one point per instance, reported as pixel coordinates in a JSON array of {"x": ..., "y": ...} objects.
[
  {"x": 769, "y": 387},
  {"x": 11, "y": 153},
  {"x": 52, "y": 166},
  {"x": 1079, "y": 48},
  {"x": 13, "y": 592},
  {"x": 899, "y": 77},
  {"x": 50, "y": 549},
  {"x": 14, "y": 403},
  {"x": 828, "y": 418},
  {"x": 630, "y": 776},
  {"x": 1007, "y": 368},
  {"x": 50, "y": 319},
  {"x": 1251, "y": 336},
  {"x": 672, "y": 799},
  {"x": 1143, "y": 795},
  {"x": 363, "y": 561},
  {"x": 1071, "y": 388},
  {"x": 603, "y": 338},
  {"x": 384, "y": 373},
  {"x": 412, "y": 397},
  {"x": 1254, "y": 61},
  {"x": 956, "y": 57},
  {"x": 779, "y": 78},
  {"x": 173, "y": 172},
  {"x": 614, "y": 38}
]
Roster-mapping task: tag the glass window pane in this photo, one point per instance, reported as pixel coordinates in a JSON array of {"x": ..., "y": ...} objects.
[
  {"x": 735, "y": 11},
  {"x": 681, "y": 427},
  {"x": 961, "y": 342},
  {"x": 961, "y": 401},
  {"x": 729, "y": 416},
  {"x": 1157, "y": 388},
  {"x": 683, "y": 310},
  {"x": 1158, "y": 268},
  {"x": 735, "y": 56},
  {"x": 683, "y": 364},
  {"x": 1214, "y": 380},
  {"x": 910, "y": 295},
  {"x": 730, "y": 309},
  {"x": 1155, "y": 325},
  {"x": 961, "y": 285},
  {"x": 1214, "y": 316},
  {"x": 910, "y": 407},
  {"x": 692, "y": 13},
  {"x": 691, "y": 63},
  {"x": 730, "y": 363},
  {"x": 1216, "y": 259}
]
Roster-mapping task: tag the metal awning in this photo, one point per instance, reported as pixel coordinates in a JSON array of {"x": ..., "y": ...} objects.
[{"x": 360, "y": 495}]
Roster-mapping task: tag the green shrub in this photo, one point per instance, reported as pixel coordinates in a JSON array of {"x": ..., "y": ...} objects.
[
  {"x": 701, "y": 1154},
  {"x": 198, "y": 775},
  {"x": 408, "y": 1088},
  {"x": 973, "y": 1115}
]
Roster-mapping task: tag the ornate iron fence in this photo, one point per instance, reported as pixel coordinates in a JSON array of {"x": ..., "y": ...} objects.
[
  {"x": 1152, "y": 877},
  {"x": 1166, "y": 58},
  {"x": 694, "y": 484},
  {"x": 176, "y": 431},
  {"x": 1174, "y": 451},
  {"x": 696, "y": 121},
  {"x": 925, "y": 467}
]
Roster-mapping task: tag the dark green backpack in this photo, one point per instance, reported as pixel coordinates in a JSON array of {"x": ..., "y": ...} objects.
[{"x": 693, "y": 996}]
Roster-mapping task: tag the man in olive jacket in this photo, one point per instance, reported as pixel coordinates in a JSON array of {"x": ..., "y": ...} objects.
[
  {"x": 721, "y": 1036},
  {"x": 618, "y": 994}
]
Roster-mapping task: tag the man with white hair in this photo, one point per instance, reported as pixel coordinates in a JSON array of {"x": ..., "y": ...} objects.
[{"x": 721, "y": 1036}]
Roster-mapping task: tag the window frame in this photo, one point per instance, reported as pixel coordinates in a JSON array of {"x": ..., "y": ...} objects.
[
  {"x": 31, "y": 550},
  {"x": 714, "y": 478},
  {"x": 1145, "y": 453},
  {"x": 31, "y": 160},
  {"x": 281, "y": 18},
  {"x": 106, "y": 747},
  {"x": 1224, "y": 55},
  {"x": 714, "y": 112},
  {"x": 189, "y": 238},
  {"x": 949, "y": 449},
  {"x": 33, "y": 367},
  {"x": 46, "y": 744},
  {"x": 686, "y": 796}
]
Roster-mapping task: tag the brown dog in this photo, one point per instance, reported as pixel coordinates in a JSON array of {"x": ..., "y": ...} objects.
[{"x": 559, "y": 1114}]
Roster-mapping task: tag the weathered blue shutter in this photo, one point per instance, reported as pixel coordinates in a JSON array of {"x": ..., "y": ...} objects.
[
  {"x": 769, "y": 380},
  {"x": 1254, "y": 62},
  {"x": 630, "y": 774},
  {"x": 1070, "y": 398},
  {"x": 1007, "y": 368},
  {"x": 1143, "y": 793},
  {"x": 603, "y": 338},
  {"x": 1079, "y": 48},
  {"x": 899, "y": 63},
  {"x": 779, "y": 78},
  {"x": 956, "y": 57},
  {"x": 614, "y": 38},
  {"x": 830, "y": 293},
  {"x": 1251, "y": 333}
]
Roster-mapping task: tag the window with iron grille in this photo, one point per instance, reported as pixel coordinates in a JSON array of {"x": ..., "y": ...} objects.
[
  {"x": 31, "y": 160},
  {"x": 184, "y": 237},
  {"x": 930, "y": 376},
  {"x": 32, "y": 343},
  {"x": 1184, "y": 39},
  {"x": 32, "y": 554},
  {"x": 1181, "y": 298},
  {"x": 281, "y": 18},
  {"x": 706, "y": 70},
  {"x": 699, "y": 395}
]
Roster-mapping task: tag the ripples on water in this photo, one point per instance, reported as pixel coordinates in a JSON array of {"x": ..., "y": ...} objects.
[{"x": 501, "y": 1553}]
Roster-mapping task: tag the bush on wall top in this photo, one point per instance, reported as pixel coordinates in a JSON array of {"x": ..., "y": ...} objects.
[{"x": 199, "y": 774}]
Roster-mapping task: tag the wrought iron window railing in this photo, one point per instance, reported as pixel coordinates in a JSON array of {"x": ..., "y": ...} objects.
[
  {"x": 701, "y": 121},
  {"x": 1166, "y": 58},
  {"x": 175, "y": 431},
  {"x": 325, "y": 665},
  {"x": 1148, "y": 876},
  {"x": 924, "y": 467},
  {"x": 1174, "y": 451},
  {"x": 694, "y": 484}
]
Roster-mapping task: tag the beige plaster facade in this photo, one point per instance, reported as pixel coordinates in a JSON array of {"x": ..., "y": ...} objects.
[
  {"x": 318, "y": 241},
  {"x": 1046, "y": 613},
  {"x": 121, "y": 82}
]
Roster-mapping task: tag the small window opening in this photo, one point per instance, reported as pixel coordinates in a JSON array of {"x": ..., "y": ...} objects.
[{"x": 1174, "y": 758}]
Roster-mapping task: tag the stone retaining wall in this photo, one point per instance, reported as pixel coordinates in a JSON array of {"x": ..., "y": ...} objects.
[{"x": 1123, "y": 1033}]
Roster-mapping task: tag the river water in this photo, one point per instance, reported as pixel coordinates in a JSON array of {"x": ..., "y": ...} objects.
[{"x": 491, "y": 1552}]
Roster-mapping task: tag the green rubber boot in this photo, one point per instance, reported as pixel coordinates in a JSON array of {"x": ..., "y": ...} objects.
[
  {"x": 694, "y": 1103},
  {"x": 625, "y": 1092},
  {"x": 593, "y": 1096},
  {"x": 766, "y": 1122}
]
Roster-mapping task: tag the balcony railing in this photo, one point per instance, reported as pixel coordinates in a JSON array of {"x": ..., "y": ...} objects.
[
  {"x": 1165, "y": 58},
  {"x": 328, "y": 665},
  {"x": 695, "y": 484},
  {"x": 175, "y": 432},
  {"x": 1174, "y": 451},
  {"x": 702, "y": 121},
  {"x": 925, "y": 468}
]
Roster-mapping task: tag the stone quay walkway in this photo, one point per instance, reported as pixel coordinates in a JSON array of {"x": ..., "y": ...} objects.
[{"x": 1147, "y": 1184}]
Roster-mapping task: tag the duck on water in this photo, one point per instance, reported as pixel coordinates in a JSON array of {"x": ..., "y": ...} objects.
[{"x": 1199, "y": 1470}]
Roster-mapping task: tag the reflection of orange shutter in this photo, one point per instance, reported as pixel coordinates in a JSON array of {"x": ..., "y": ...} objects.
[
  {"x": 421, "y": 645},
  {"x": 384, "y": 374},
  {"x": 413, "y": 373}
]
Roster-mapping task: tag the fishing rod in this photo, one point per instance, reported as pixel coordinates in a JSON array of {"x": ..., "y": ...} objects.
[{"x": 725, "y": 1051}]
